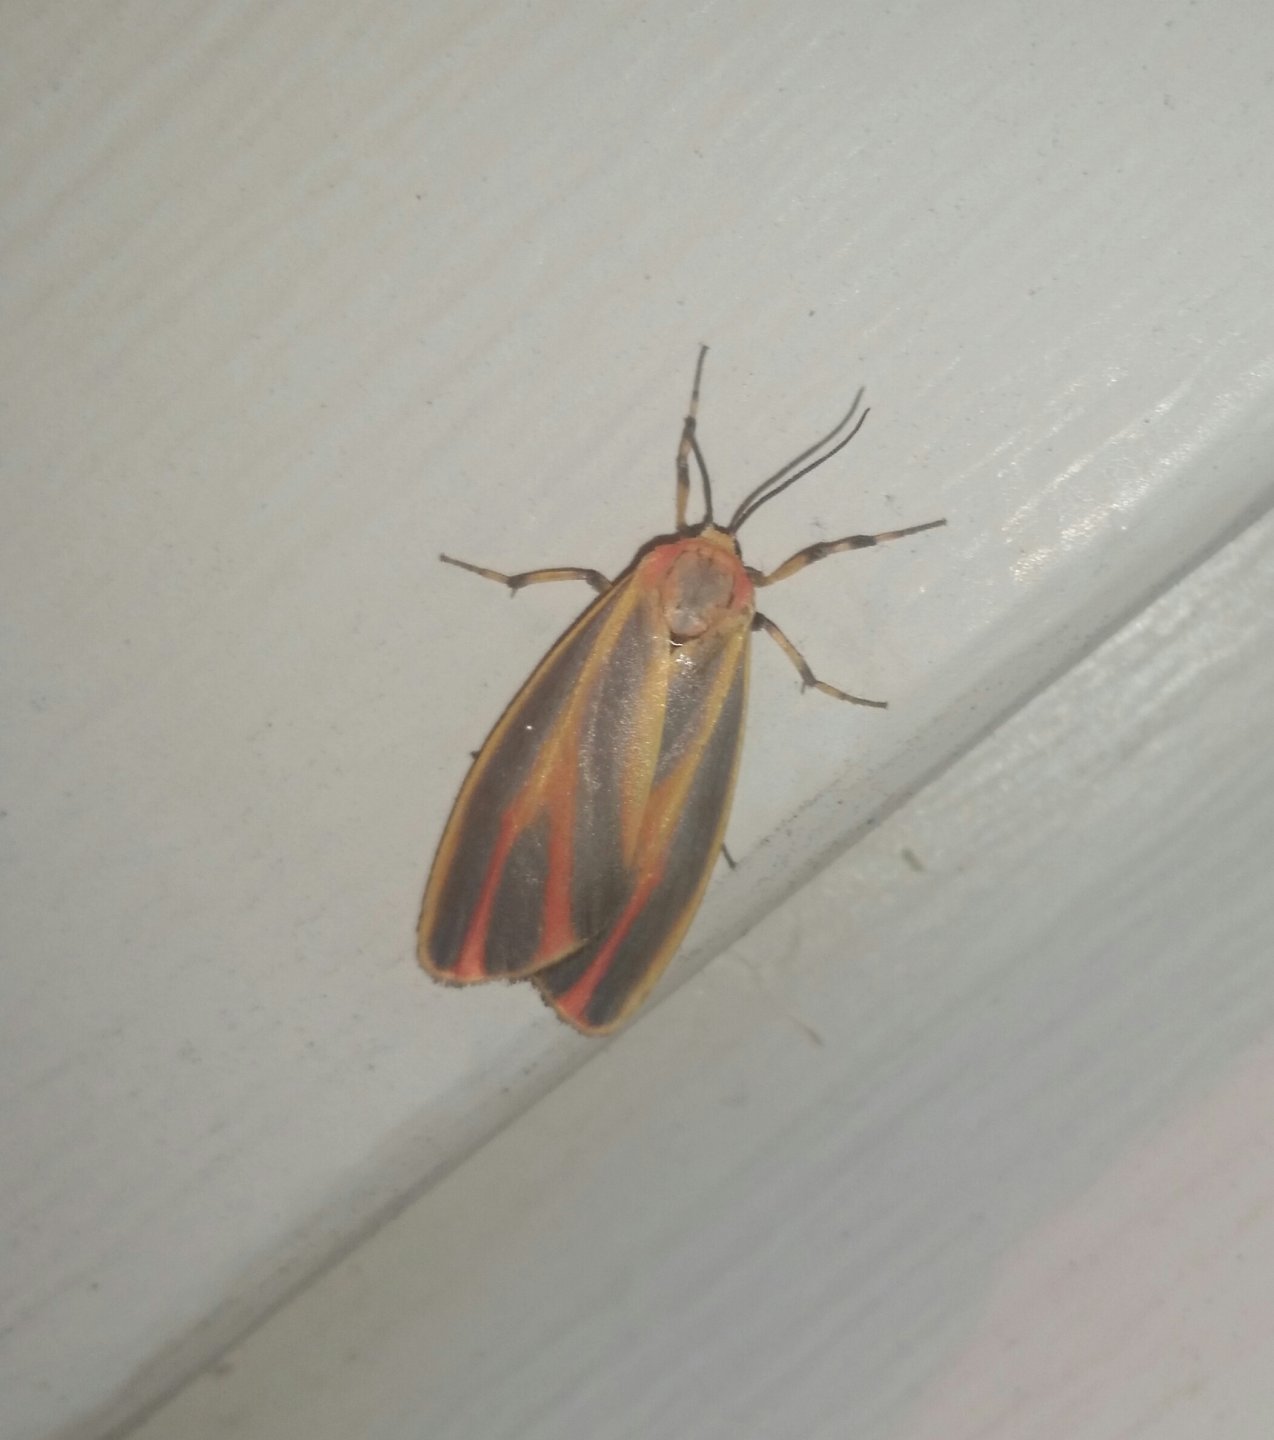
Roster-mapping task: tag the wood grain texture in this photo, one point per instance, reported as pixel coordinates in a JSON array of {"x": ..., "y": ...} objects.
[
  {"x": 294, "y": 298},
  {"x": 1019, "y": 1184}
]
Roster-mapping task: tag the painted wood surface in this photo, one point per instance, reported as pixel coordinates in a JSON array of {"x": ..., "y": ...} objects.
[{"x": 294, "y": 298}]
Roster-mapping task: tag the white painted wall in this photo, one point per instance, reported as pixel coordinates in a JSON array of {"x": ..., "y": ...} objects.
[{"x": 294, "y": 298}]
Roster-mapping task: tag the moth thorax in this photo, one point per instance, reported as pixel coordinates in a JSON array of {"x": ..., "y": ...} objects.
[{"x": 697, "y": 592}]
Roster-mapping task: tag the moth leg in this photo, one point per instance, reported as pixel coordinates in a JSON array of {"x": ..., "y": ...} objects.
[
  {"x": 727, "y": 857},
  {"x": 824, "y": 548},
  {"x": 689, "y": 444},
  {"x": 595, "y": 578},
  {"x": 808, "y": 680}
]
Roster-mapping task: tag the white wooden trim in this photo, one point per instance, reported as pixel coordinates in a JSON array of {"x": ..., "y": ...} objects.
[{"x": 296, "y": 297}]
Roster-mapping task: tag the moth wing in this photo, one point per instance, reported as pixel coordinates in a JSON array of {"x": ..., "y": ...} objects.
[
  {"x": 536, "y": 856},
  {"x": 679, "y": 837}
]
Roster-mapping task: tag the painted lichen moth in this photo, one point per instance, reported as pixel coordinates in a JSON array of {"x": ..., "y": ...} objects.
[{"x": 582, "y": 839}]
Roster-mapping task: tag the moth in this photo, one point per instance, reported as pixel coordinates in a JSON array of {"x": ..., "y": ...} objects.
[{"x": 582, "y": 840}]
